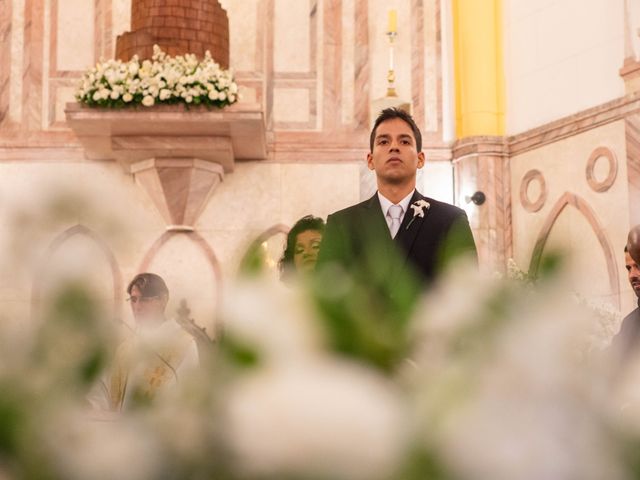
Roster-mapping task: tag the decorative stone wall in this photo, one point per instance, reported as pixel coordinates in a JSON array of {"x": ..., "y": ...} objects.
[{"x": 178, "y": 27}]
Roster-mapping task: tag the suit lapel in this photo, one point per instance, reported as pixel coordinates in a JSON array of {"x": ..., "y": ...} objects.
[
  {"x": 374, "y": 215},
  {"x": 411, "y": 225}
]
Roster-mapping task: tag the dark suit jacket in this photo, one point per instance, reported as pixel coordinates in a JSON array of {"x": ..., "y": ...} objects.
[
  {"x": 628, "y": 338},
  {"x": 359, "y": 234}
]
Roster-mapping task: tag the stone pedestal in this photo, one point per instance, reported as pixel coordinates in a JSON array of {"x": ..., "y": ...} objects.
[
  {"x": 177, "y": 156},
  {"x": 481, "y": 164}
]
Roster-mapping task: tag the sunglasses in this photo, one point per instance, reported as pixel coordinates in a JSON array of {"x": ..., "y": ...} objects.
[{"x": 134, "y": 299}]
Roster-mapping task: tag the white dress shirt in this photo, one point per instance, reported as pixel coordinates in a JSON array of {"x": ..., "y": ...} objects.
[{"x": 385, "y": 203}]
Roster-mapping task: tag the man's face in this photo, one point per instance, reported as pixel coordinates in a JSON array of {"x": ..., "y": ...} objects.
[
  {"x": 633, "y": 243},
  {"x": 147, "y": 309},
  {"x": 633, "y": 270},
  {"x": 395, "y": 157}
]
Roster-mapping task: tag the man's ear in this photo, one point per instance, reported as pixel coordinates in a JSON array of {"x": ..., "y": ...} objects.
[
  {"x": 370, "y": 161},
  {"x": 421, "y": 159}
]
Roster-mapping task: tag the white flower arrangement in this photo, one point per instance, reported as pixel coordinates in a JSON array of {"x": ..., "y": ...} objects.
[{"x": 163, "y": 79}]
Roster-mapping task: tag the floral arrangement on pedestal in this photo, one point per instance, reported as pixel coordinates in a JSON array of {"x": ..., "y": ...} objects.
[{"x": 162, "y": 80}]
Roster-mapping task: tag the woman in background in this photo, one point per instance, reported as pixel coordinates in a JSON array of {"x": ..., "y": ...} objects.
[{"x": 301, "y": 253}]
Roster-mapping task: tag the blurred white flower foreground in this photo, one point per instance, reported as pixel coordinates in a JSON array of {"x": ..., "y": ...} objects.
[{"x": 498, "y": 383}]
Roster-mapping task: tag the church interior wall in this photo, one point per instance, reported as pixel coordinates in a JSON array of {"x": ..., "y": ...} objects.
[
  {"x": 561, "y": 57},
  {"x": 314, "y": 67}
]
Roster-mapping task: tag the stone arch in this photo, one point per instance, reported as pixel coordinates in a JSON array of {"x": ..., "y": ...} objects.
[
  {"x": 270, "y": 232},
  {"x": 202, "y": 245},
  {"x": 263, "y": 237},
  {"x": 573, "y": 200},
  {"x": 58, "y": 241}
]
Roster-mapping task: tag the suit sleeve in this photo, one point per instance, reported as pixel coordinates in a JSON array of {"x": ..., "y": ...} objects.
[{"x": 458, "y": 241}]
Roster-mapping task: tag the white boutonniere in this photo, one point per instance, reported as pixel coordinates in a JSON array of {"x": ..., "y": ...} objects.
[{"x": 419, "y": 207}]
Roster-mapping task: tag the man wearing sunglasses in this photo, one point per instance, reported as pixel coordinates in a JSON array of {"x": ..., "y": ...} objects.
[
  {"x": 157, "y": 352},
  {"x": 148, "y": 295}
]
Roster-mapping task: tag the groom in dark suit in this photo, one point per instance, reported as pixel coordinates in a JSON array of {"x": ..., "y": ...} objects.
[{"x": 398, "y": 222}]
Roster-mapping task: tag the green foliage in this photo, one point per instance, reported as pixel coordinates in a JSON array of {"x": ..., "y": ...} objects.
[
  {"x": 254, "y": 261},
  {"x": 75, "y": 340},
  {"x": 366, "y": 311},
  {"x": 12, "y": 418},
  {"x": 237, "y": 353}
]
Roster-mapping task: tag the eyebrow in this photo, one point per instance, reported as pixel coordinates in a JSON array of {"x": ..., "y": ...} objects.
[{"x": 402, "y": 135}]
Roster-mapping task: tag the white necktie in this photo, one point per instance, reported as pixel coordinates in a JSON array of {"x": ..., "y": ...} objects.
[{"x": 395, "y": 213}]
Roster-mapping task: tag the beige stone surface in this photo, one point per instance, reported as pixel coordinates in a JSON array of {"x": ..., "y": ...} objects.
[
  {"x": 563, "y": 165},
  {"x": 560, "y": 57},
  {"x": 75, "y": 49},
  {"x": 291, "y": 35},
  {"x": 291, "y": 104},
  {"x": 17, "y": 60},
  {"x": 243, "y": 22},
  {"x": 318, "y": 190}
]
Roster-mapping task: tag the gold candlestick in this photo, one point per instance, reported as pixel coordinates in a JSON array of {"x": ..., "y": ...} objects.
[
  {"x": 391, "y": 74},
  {"x": 391, "y": 99}
]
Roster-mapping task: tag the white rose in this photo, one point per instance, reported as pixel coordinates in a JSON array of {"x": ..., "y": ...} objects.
[
  {"x": 148, "y": 101},
  {"x": 96, "y": 96},
  {"x": 213, "y": 95},
  {"x": 165, "y": 94},
  {"x": 274, "y": 429},
  {"x": 222, "y": 96},
  {"x": 127, "y": 97},
  {"x": 115, "y": 95},
  {"x": 133, "y": 68},
  {"x": 189, "y": 99}
]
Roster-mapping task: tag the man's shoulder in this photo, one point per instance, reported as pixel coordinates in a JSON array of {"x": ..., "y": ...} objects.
[
  {"x": 352, "y": 210},
  {"x": 631, "y": 321},
  {"x": 627, "y": 336}
]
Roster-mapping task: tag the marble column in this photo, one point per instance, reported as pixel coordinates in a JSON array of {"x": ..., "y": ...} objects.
[{"x": 481, "y": 164}]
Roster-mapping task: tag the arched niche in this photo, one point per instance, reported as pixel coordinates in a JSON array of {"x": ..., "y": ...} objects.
[
  {"x": 79, "y": 255},
  {"x": 192, "y": 272},
  {"x": 269, "y": 246},
  {"x": 582, "y": 253}
]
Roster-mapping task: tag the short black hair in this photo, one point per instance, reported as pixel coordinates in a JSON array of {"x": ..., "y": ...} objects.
[
  {"x": 149, "y": 284},
  {"x": 308, "y": 222},
  {"x": 390, "y": 114}
]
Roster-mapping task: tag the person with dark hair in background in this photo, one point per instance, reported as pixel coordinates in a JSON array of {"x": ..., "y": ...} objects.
[
  {"x": 398, "y": 221},
  {"x": 627, "y": 340},
  {"x": 301, "y": 251}
]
